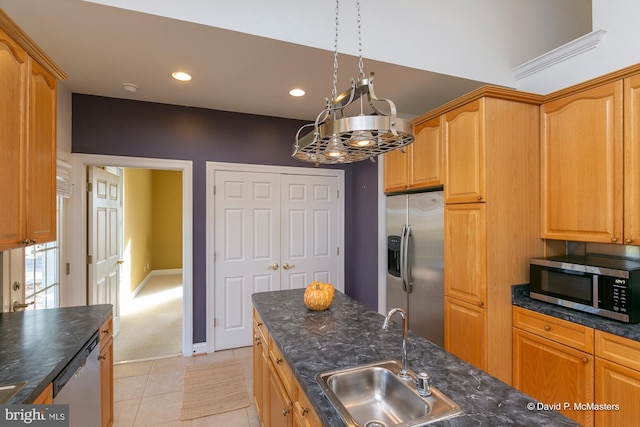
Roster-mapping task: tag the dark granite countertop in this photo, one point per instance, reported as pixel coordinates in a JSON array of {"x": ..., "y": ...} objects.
[
  {"x": 520, "y": 298},
  {"x": 349, "y": 334},
  {"x": 36, "y": 345}
]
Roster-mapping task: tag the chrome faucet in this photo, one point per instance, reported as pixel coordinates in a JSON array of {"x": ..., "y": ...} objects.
[{"x": 404, "y": 372}]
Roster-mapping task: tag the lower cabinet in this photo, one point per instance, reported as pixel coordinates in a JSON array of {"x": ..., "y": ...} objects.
[
  {"x": 280, "y": 400},
  {"x": 590, "y": 376},
  {"x": 106, "y": 372},
  {"x": 46, "y": 397}
]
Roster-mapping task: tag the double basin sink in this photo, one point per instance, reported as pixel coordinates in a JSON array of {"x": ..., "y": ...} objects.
[{"x": 373, "y": 395}]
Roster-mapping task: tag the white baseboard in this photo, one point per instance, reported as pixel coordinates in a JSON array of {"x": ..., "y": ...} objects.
[
  {"x": 199, "y": 348},
  {"x": 144, "y": 281}
]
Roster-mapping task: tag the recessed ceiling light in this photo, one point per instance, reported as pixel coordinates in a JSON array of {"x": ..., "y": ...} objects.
[
  {"x": 181, "y": 75},
  {"x": 296, "y": 92}
]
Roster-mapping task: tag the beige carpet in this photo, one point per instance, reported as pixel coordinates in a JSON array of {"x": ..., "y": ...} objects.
[
  {"x": 212, "y": 389},
  {"x": 151, "y": 324}
]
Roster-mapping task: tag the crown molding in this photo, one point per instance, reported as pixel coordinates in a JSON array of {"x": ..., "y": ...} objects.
[{"x": 559, "y": 54}]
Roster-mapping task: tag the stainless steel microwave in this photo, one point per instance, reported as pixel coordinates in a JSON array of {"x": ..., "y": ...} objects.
[{"x": 604, "y": 286}]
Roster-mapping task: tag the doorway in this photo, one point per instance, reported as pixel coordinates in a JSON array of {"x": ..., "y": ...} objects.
[{"x": 79, "y": 272}]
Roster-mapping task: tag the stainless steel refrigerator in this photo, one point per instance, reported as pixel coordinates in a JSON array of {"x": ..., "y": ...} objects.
[{"x": 415, "y": 252}]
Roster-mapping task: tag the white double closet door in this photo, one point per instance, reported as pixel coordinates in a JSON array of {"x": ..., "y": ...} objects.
[{"x": 272, "y": 231}]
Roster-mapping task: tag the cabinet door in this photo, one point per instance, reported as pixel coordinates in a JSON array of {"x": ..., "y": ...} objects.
[
  {"x": 620, "y": 386},
  {"x": 279, "y": 403},
  {"x": 258, "y": 385},
  {"x": 425, "y": 169},
  {"x": 13, "y": 85},
  {"x": 465, "y": 331},
  {"x": 465, "y": 257},
  {"x": 553, "y": 374},
  {"x": 582, "y": 170},
  {"x": 41, "y": 157},
  {"x": 106, "y": 382},
  {"x": 632, "y": 160},
  {"x": 396, "y": 170},
  {"x": 464, "y": 153}
]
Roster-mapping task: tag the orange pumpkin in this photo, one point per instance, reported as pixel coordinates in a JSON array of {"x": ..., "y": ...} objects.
[{"x": 318, "y": 296}]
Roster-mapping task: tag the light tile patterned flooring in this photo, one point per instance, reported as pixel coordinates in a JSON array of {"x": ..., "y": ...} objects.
[{"x": 149, "y": 393}]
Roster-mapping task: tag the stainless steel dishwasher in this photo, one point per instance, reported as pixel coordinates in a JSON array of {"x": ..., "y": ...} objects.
[{"x": 79, "y": 386}]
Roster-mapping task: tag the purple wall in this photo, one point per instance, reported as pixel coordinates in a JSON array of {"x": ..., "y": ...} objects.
[{"x": 112, "y": 126}]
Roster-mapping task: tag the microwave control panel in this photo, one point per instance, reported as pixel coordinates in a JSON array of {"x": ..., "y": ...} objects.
[{"x": 613, "y": 294}]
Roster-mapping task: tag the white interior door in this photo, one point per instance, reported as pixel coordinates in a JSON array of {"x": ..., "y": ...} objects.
[
  {"x": 105, "y": 224},
  {"x": 309, "y": 230},
  {"x": 246, "y": 250},
  {"x": 272, "y": 231}
]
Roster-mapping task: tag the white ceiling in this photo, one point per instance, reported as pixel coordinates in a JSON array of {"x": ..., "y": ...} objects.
[{"x": 246, "y": 55}]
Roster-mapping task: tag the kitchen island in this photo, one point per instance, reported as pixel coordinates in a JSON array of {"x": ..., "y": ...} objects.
[
  {"x": 349, "y": 334},
  {"x": 36, "y": 345}
]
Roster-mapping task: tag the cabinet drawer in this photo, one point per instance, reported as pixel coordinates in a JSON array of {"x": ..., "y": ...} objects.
[
  {"x": 567, "y": 333},
  {"x": 282, "y": 367},
  {"x": 617, "y": 349}
]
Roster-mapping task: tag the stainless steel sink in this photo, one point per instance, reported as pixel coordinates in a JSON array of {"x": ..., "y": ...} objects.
[
  {"x": 9, "y": 390},
  {"x": 372, "y": 395}
]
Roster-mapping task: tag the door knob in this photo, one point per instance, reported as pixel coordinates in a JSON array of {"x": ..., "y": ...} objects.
[
  {"x": 120, "y": 261},
  {"x": 273, "y": 266},
  {"x": 287, "y": 266}
]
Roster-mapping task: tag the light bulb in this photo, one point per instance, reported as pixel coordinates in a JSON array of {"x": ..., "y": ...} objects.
[
  {"x": 361, "y": 139},
  {"x": 335, "y": 148}
]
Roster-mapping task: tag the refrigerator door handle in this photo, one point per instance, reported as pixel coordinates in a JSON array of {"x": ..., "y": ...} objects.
[
  {"x": 407, "y": 261},
  {"x": 403, "y": 261}
]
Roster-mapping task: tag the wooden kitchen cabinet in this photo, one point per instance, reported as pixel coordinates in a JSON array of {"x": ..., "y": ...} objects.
[
  {"x": 260, "y": 367},
  {"x": 106, "y": 372},
  {"x": 420, "y": 166},
  {"x": 464, "y": 153},
  {"x": 465, "y": 234},
  {"x": 465, "y": 331},
  {"x": 582, "y": 165},
  {"x": 491, "y": 225},
  {"x": 27, "y": 139},
  {"x": 280, "y": 400},
  {"x": 554, "y": 373},
  {"x": 280, "y": 405},
  {"x": 46, "y": 397},
  {"x": 631, "y": 219},
  {"x": 617, "y": 382}
]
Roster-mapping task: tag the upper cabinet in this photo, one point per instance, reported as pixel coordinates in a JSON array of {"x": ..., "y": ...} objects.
[
  {"x": 582, "y": 165},
  {"x": 27, "y": 140},
  {"x": 590, "y": 159},
  {"x": 464, "y": 153},
  {"x": 420, "y": 165}
]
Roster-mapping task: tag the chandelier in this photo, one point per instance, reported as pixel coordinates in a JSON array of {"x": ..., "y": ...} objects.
[{"x": 337, "y": 138}]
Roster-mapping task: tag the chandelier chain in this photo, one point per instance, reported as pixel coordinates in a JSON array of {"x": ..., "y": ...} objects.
[
  {"x": 360, "y": 61},
  {"x": 334, "y": 92}
]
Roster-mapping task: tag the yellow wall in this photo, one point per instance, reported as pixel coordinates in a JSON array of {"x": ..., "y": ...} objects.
[
  {"x": 167, "y": 220},
  {"x": 138, "y": 209}
]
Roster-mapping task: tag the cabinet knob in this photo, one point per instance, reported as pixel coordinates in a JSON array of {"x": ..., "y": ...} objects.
[
  {"x": 258, "y": 342},
  {"x": 278, "y": 361},
  {"x": 285, "y": 412},
  {"x": 479, "y": 197},
  {"x": 628, "y": 240},
  {"x": 614, "y": 239},
  {"x": 481, "y": 304},
  {"x": 258, "y": 324},
  {"x": 305, "y": 411},
  {"x": 547, "y": 327},
  {"x": 585, "y": 360},
  {"x": 102, "y": 357}
]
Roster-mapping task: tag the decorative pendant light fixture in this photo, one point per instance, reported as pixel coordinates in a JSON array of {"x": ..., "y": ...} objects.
[{"x": 339, "y": 139}]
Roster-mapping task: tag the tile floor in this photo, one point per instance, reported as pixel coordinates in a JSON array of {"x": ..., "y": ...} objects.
[{"x": 149, "y": 393}]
